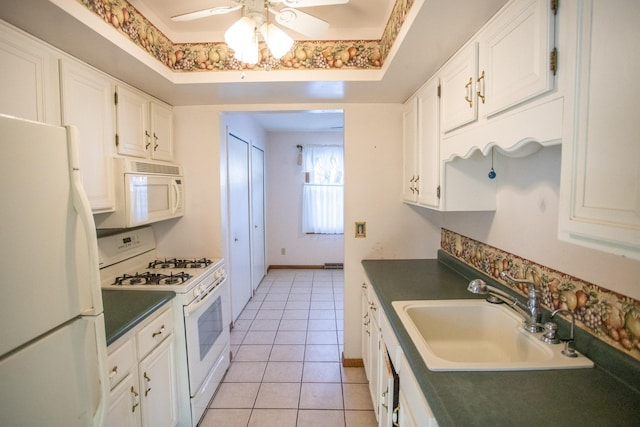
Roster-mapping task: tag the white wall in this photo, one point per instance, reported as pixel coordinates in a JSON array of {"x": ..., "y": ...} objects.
[
  {"x": 526, "y": 220},
  {"x": 199, "y": 232},
  {"x": 284, "y": 203},
  {"x": 373, "y": 179}
]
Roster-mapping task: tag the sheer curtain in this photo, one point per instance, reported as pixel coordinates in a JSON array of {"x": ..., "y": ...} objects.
[{"x": 323, "y": 194}]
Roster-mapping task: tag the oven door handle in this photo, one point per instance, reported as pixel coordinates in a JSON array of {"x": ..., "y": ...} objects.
[{"x": 194, "y": 306}]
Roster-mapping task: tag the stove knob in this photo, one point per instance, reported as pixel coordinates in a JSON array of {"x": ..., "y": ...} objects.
[{"x": 197, "y": 291}]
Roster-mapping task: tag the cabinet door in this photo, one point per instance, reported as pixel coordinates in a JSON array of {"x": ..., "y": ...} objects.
[
  {"x": 414, "y": 408},
  {"x": 366, "y": 332},
  {"x": 124, "y": 404},
  {"x": 87, "y": 103},
  {"x": 410, "y": 147},
  {"x": 429, "y": 145},
  {"x": 258, "y": 263},
  {"x": 374, "y": 377},
  {"x": 239, "y": 223},
  {"x": 161, "y": 131},
  {"x": 132, "y": 121},
  {"x": 459, "y": 96},
  {"x": 514, "y": 56},
  {"x": 157, "y": 386},
  {"x": 28, "y": 78},
  {"x": 600, "y": 192}
]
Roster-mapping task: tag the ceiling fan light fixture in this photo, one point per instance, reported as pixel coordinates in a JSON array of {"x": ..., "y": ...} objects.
[
  {"x": 277, "y": 40},
  {"x": 248, "y": 53},
  {"x": 240, "y": 34}
]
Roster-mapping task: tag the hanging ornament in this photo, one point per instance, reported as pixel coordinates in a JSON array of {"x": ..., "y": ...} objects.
[{"x": 492, "y": 174}]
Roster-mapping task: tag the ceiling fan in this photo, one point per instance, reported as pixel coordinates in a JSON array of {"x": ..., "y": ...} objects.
[{"x": 285, "y": 13}]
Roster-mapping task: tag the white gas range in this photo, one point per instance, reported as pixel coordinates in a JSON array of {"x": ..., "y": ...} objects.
[{"x": 128, "y": 261}]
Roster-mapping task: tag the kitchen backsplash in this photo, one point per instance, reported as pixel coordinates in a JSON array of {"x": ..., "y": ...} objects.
[
  {"x": 611, "y": 317},
  {"x": 203, "y": 57}
]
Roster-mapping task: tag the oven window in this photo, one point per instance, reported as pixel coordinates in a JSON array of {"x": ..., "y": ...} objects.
[{"x": 209, "y": 327}]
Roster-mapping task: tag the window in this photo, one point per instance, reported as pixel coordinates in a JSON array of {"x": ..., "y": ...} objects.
[{"x": 323, "y": 192}]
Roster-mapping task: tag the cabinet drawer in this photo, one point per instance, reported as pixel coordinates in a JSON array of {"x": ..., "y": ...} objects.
[
  {"x": 120, "y": 362},
  {"x": 154, "y": 333}
]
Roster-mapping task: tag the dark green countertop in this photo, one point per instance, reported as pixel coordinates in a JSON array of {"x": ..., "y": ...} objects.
[
  {"x": 568, "y": 397},
  {"x": 125, "y": 309}
]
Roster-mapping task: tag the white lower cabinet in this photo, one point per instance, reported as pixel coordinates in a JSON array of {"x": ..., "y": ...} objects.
[
  {"x": 125, "y": 402},
  {"x": 142, "y": 375},
  {"x": 395, "y": 393}
]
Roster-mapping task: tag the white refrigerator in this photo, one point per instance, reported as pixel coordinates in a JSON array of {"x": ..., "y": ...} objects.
[{"x": 52, "y": 337}]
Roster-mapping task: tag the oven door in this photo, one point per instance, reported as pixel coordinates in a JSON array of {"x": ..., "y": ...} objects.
[{"x": 207, "y": 338}]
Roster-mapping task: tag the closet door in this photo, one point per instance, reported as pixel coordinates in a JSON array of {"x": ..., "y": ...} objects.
[
  {"x": 239, "y": 236},
  {"x": 257, "y": 217}
]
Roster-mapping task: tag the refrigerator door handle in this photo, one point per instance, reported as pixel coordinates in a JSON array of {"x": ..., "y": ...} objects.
[
  {"x": 82, "y": 207},
  {"x": 101, "y": 348}
]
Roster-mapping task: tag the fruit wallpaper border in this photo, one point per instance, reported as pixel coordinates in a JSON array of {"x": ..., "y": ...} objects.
[
  {"x": 611, "y": 317},
  {"x": 217, "y": 56}
]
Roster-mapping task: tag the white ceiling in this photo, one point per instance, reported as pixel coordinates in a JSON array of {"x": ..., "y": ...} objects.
[
  {"x": 300, "y": 120},
  {"x": 439, "y": 29}
]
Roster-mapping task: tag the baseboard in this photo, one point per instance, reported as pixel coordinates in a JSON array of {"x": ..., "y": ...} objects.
[
  {"x": 352, "y": 363},
  {"x": 295, "y": 267}
]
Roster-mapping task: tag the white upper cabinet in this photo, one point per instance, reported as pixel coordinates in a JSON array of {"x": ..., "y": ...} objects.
[
  {"x": 87, "y": 103},
  {"x": 459, "y": 97},
  {"x": 161, "y": 131},
  {"x": 28, "y": 78},
  {"x": 429, "y": 144},
  {"x": 144, "y": 125},
  {"x": 501, "y": 85},
  {"x": 600, "y": 189},
  {"x": 410, "y": 173},
  {"x": 514, "y": 56}
]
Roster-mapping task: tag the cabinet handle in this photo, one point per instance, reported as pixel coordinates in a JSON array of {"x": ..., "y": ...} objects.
[
  {"x": 134, "y": 400},
  {"x": 480, "y": 87},
  {"x": 146, "y": 146},
  {"x": 147, "y": 379},
  {"x": 364, "y": 286},
  {"x": 372, "y": 306},
  {"x": 158, "y": 333},
  {"x": 417, "y": 187},
  {"x": 395, "y": 416},
  {"x": 468, "y": 91},
  {"x": 155, "y": 137},
  {"x": 114, "y": 372}
]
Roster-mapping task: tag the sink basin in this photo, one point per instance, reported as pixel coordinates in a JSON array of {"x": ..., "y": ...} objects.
[{"x": 474, "y": 335}]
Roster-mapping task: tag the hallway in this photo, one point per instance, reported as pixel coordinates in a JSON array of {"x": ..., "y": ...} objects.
[{"x": 287, "y": 345}]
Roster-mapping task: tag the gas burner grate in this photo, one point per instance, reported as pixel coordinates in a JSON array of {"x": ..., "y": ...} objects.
[
  {"x": 152, "y": 279},
  {"x": 180, "y": 263}
]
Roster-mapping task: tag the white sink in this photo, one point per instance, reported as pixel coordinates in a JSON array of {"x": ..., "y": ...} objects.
[{"x": 474, "y": 335}]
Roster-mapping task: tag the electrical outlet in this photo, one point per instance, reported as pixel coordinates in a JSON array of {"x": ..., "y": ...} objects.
[{"x": 283, "y": 251}]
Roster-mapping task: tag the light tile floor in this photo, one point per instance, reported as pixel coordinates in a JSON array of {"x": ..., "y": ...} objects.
[{"x": 286, "y": 371}]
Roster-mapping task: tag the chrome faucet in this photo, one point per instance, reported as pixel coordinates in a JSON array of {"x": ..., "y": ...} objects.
[
  {"x": 530, "y": 311},
  {"x": 569, "y": 343}
]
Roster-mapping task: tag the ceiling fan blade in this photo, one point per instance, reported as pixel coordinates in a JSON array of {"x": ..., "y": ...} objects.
[
  {"x": 310, "y": 3},
  {"x": 301, "y": 22},
  {"x": 205, "y": 12}
]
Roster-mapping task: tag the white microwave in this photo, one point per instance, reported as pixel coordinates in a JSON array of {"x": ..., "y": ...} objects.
[{"x": 145, "y": 192}]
